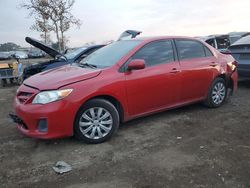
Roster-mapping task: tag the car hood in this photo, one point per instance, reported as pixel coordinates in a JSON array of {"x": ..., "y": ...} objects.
[
  {"x": 50, "y": 51},
  {"x": 56, "y": 78}
]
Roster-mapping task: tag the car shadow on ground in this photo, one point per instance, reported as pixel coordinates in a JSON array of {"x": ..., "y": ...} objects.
[{"x": 164, "y": 114}]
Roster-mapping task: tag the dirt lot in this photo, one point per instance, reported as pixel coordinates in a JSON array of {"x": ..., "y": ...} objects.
[{"x": 192, "y": 147}]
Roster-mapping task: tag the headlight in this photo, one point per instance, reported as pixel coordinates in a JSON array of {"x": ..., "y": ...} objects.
[{"x": 45, "y": 97}]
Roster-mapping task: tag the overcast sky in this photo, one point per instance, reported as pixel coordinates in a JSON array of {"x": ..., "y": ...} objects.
[{"x": 105, "y": 20}]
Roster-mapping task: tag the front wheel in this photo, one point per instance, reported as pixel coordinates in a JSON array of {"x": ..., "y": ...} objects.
[
  {"x": 96, "y": 121},
  {"x": 217, "y": 93}
]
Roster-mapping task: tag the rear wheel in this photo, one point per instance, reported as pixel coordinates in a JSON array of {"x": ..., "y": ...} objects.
[
  {"x": 96, "y": 121},
  {"x": 217, "y": 93}
]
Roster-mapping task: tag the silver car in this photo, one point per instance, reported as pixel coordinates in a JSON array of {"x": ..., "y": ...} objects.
[
  {"x": 21, "y": 55},
  {"x": 240, "y": 50}
]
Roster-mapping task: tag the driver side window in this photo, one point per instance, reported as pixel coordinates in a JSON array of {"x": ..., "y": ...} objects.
[{"x": 155, "y": 53}]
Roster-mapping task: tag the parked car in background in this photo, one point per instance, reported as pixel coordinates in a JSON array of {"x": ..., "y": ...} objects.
[
  {"x": 5, "y": 55},
  {"x": 20, "y": 55},
  {"x": 219, "y": 42},
  {"x": 129, "y": 34},
  {"x": 58, "y": 60},
  {"x": 234, "y": 36},
  {"x": 35, "y": 54},
  {"x": 122, "y": 81},
  {"x": 240, "y": 50}
]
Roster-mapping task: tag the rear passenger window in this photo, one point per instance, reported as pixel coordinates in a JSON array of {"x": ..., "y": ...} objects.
[
  {"x": 208, "y": 52},
  {"x": 156, "y": 53},
  {"x": 189, "y": 49}
]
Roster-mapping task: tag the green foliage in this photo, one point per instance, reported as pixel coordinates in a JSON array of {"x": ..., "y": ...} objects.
[
  {"x": 9, "y": 46},
  {"x": 55, "y": 45}
]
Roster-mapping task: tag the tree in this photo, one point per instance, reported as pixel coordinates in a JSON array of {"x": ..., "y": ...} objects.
[
  {"x": 46, "y": 38},
  {"x": 62, "y": 18},
  {"x": 55, "y": 45},
  {"x": 40, "y": 10},
  {"x": 44, "y": 27},
  {"x": 9, "y": 46},
  {"x": 53, "y": 15}
]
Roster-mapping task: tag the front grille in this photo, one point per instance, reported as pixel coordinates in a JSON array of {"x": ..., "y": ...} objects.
[
  {"x": 23, "y": 97},
  {"x": 18, "y": 120}
]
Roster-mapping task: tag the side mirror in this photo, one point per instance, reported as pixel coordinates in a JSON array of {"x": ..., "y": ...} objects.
[{"x": 136, "y": 64}]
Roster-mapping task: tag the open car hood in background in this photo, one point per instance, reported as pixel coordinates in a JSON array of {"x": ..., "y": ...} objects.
[
  {"x": 129, "y": 34},
  {"x": 50, "y": 51},
  {"x": 242, "y": 41}
]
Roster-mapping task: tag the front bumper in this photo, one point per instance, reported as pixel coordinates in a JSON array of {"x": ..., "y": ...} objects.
[{"x": 59, "y": 117}]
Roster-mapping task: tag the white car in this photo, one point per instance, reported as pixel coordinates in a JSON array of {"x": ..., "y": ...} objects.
[{"x": 21, "y": 55}]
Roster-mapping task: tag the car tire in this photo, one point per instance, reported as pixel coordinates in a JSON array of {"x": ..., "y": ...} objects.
[
  {"x": 217, "y": 93},
  {"x": 96, "y": 121}
]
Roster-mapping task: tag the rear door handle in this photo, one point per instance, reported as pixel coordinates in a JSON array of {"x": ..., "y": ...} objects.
[{"x": 174, "y": 71}]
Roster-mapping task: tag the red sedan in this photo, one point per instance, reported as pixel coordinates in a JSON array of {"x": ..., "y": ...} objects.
[{"x": 122, "y": 81}]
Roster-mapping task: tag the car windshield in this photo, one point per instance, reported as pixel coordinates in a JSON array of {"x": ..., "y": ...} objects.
[
  {"x": 74, "y": 53},
  {"x": 111, "y": 54}
]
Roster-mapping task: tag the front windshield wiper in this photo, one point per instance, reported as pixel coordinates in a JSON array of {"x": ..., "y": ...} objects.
[{"x": 88, "y": 65}]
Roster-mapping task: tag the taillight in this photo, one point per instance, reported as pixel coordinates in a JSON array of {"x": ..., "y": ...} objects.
[{"x": 232, "y": 66}]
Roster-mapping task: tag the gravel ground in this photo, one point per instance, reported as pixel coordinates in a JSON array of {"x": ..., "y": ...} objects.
[{"x": 192, "y": 147}]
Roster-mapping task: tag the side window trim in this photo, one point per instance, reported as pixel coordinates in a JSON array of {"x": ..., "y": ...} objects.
[
  {"x": 176, "y": 58},
  {"x": 176, "y": 50}
]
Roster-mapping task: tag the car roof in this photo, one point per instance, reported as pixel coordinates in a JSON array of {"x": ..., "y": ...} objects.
[{"x": 154, "y": 38}]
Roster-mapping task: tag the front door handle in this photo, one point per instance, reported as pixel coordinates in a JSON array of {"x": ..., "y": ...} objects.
[
  {"x": 213, "y": 64},
  {"x": 174, "y": 70}
]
